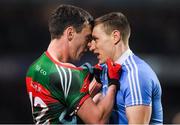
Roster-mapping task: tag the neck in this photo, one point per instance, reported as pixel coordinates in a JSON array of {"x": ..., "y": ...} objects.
[
  {"x": 119, "y": 50},
  {"x": 57, "y": 49}
]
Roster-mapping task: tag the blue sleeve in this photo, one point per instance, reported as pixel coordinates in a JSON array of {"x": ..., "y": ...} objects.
[{"x": 138, "y": 90}]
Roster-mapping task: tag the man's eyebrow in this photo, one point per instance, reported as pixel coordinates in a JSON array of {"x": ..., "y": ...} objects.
[
  {"x": 89, "y": 37},
  {"x": 94, "y": 37}
]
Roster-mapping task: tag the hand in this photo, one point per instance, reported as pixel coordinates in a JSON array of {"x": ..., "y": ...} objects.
[
  {"x": 114, "y": 71},
  {"x": 87, "y": 66},
  {"x": 88, "y": 79},
  {"x": 97, "y": 70}
]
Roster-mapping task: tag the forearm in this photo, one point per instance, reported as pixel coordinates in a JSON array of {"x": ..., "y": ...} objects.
[
  {"x": 106, "y": 104},
  {"x": 92, "y": 113}
]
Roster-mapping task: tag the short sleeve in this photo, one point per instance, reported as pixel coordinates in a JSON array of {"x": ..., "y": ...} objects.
[
  {"x": 138, "y": 90},
  {"x": 77, "y": 91}
]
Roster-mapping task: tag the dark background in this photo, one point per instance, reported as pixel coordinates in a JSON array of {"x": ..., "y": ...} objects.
[{"x": 24, "y": 37}]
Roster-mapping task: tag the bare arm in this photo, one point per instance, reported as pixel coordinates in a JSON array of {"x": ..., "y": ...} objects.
[
  {"x": 90, "y": 112},
  {"x": 138, "y": 114}
]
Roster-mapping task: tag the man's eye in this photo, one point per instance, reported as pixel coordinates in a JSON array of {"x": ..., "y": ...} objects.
[
  {"x": 89, "y": 38},
  {"x": 96, "y": 39}
]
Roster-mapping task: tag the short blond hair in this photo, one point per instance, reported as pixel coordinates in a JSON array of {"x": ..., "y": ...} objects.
[{"x": 115, "y": 21}]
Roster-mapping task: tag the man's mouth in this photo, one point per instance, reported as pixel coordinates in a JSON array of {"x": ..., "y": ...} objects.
[{"x": 98, "y": 56}]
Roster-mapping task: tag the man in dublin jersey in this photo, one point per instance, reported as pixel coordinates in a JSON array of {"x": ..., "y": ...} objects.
[
  {"x": 138, "y": 100},
  {"x": 58, "y": 90}
]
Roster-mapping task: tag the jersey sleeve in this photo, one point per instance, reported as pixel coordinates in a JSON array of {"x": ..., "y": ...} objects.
[
  {"x": 75, "y": 87},
  {"x": 138, "y": 90}
]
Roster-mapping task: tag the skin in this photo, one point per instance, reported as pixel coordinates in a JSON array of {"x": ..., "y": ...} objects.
[
  {"x": 93, "y": 113},
  {"x": 111, "y": 45},
  {"x": 101, "y": 45},
  {"x": 70, "y": 47},
  {"x": 78, "y": 46}
]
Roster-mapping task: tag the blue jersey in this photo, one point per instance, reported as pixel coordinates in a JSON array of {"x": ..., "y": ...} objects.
[{"x": 139, "y": 85}]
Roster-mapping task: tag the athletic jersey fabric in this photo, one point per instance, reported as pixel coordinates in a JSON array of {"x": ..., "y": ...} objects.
[
  {"x": 139, "y": 85},
  {"x": 55, "y": 90}
]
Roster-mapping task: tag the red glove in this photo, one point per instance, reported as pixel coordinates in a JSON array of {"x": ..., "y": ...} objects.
[{"x": 114, "y": 72}]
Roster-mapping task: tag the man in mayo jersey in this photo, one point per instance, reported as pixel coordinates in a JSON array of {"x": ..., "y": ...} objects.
[{"x": 58, "y": 90}]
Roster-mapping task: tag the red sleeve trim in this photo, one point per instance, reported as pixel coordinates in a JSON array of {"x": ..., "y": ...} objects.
[
  {"x": 80, "y": 103},
  {"x": 83, "y": 100}
]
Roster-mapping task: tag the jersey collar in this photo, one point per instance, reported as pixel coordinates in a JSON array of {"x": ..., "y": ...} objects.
[
  {"x": 67, "y": 65},
  {"x": 124, "y": 56}
]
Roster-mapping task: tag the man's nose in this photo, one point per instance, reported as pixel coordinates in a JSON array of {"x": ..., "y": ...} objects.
[{"x": 91, "y": 46}]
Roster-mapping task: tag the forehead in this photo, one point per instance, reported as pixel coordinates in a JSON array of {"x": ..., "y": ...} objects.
[
  {"x": 98, "y": 29},
  {"x": 87, "y": 29}
]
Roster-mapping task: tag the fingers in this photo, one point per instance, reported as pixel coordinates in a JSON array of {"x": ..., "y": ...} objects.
[
  {"x": 117, "y": 66},
  {"x": 113, "y": 69},
  {"x": 97, "y": 72},
  {"x": 109, "y": 63},
  {"x": 97, "y": 66}
]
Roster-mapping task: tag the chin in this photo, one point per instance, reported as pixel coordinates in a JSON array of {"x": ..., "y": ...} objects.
[{"x": 77, "y": 58}]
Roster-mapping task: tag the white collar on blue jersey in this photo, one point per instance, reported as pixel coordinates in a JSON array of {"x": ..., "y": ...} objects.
[{"x": 124, "y": 56}]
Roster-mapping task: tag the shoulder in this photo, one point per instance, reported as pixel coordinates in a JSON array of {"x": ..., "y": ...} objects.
[
  {"x": 35, "y": 66},
  {"x": 140, "y": 73},
  {"x": 138, "y": 81},
  {"x": 137, "y": 66},
  {"x": 136, "y": 72}
]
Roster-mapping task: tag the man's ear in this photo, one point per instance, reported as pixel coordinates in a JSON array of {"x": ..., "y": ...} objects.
[
  {"x": 70, "y": 33},
  {"x": 116, "y": 36}
]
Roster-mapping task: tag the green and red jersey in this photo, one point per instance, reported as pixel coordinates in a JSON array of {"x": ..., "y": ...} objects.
[{"x": 56, "y": 90}]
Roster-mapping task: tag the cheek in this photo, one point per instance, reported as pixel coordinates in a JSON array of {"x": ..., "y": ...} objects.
[
  {"x": 104, "y": 47},
  {"x": 80, "y": 47},
  {"x": 106, "y": 52}
]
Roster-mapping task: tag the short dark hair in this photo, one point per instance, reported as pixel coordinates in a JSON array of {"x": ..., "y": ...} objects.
[
  {"x": 115, "y": 21},
  {"x": 68, "y": 15}
]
